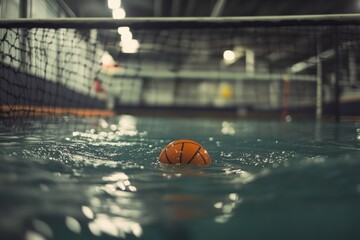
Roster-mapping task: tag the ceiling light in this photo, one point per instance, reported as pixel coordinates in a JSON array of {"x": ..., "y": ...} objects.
[
  {"x": 123, "y": 30},
  {"x": 130, "y": 46},
  {"x": 118, "y": 13},
  {"x": 126, "y": 36},
  {"x": 114, "y": 4},
  {"x": 229, "y": 55}
]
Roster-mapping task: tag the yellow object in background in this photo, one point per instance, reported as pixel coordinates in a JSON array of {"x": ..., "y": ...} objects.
[{"x": 226, "y": 90}]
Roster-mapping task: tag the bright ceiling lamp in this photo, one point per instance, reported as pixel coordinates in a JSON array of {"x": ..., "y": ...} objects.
[
  {"x": 126, "y": 36},
  {"x": 229, "y": 55},
  {"x": 118, "y": 13},
  {"x": 114, "y": 4},
  {"x": 130, "y": 46},
  {"x": 123, "y": 30}
]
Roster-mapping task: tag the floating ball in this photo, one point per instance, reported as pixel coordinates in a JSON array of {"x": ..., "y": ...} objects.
[{"x": 183, "y": 152}]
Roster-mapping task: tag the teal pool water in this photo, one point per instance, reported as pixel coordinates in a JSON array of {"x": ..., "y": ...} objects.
[{"x": 99, "y": 179}]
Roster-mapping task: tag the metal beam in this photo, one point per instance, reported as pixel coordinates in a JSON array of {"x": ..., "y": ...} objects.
[
  {"x": 190, "y": 22},
  {"x": 209, "y": 75}
]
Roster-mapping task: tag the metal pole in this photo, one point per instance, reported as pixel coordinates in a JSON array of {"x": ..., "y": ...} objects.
[
  {"x": 158, "y": 6},
  {"x": 190, "y": 22},
  {"x": 23, "y": 9},
  {"x": 337, "y": 77},
  {"x": 23, "y": 13},
  {"x": 352, "y": 67},
  {"x": 319, "y": 86}
]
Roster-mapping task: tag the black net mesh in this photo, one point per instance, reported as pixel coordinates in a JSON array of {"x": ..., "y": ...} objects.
[
  {"x": 223, "y": 71},
  {"x": 47, "y": 73}
]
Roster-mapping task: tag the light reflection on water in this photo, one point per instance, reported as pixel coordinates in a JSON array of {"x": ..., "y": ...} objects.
[{"x": 104, "y": 181}]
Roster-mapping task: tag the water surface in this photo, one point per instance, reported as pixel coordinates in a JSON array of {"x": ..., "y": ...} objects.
[{"x": 99, "y": 179}]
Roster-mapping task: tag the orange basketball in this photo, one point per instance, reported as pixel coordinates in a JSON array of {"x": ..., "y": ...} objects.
[{"x": 183, "y": 152}]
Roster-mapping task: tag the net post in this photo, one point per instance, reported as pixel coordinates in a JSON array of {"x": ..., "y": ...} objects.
[
  {"x": 23, "y": 13},
  {"x": 319, "y": 84},
  {"x": 337, "y": 76}
]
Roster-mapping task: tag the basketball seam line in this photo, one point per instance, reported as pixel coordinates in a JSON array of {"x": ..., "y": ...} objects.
[
  {"x": 181, "y": 151},
  {"x": 197, "y": 151},
  {"x": 167, "y": 157},
  {"x": 202, "y": 157}
]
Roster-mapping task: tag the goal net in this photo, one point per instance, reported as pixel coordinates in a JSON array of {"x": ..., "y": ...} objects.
[{"x": 262, "y": 67}]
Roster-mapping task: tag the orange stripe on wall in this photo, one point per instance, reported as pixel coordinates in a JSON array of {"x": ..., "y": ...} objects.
[{"x": 23, "y": 110}]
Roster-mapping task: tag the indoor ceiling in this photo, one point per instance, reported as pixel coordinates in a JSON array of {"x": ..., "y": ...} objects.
[{"x": 181, "y": 8}]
